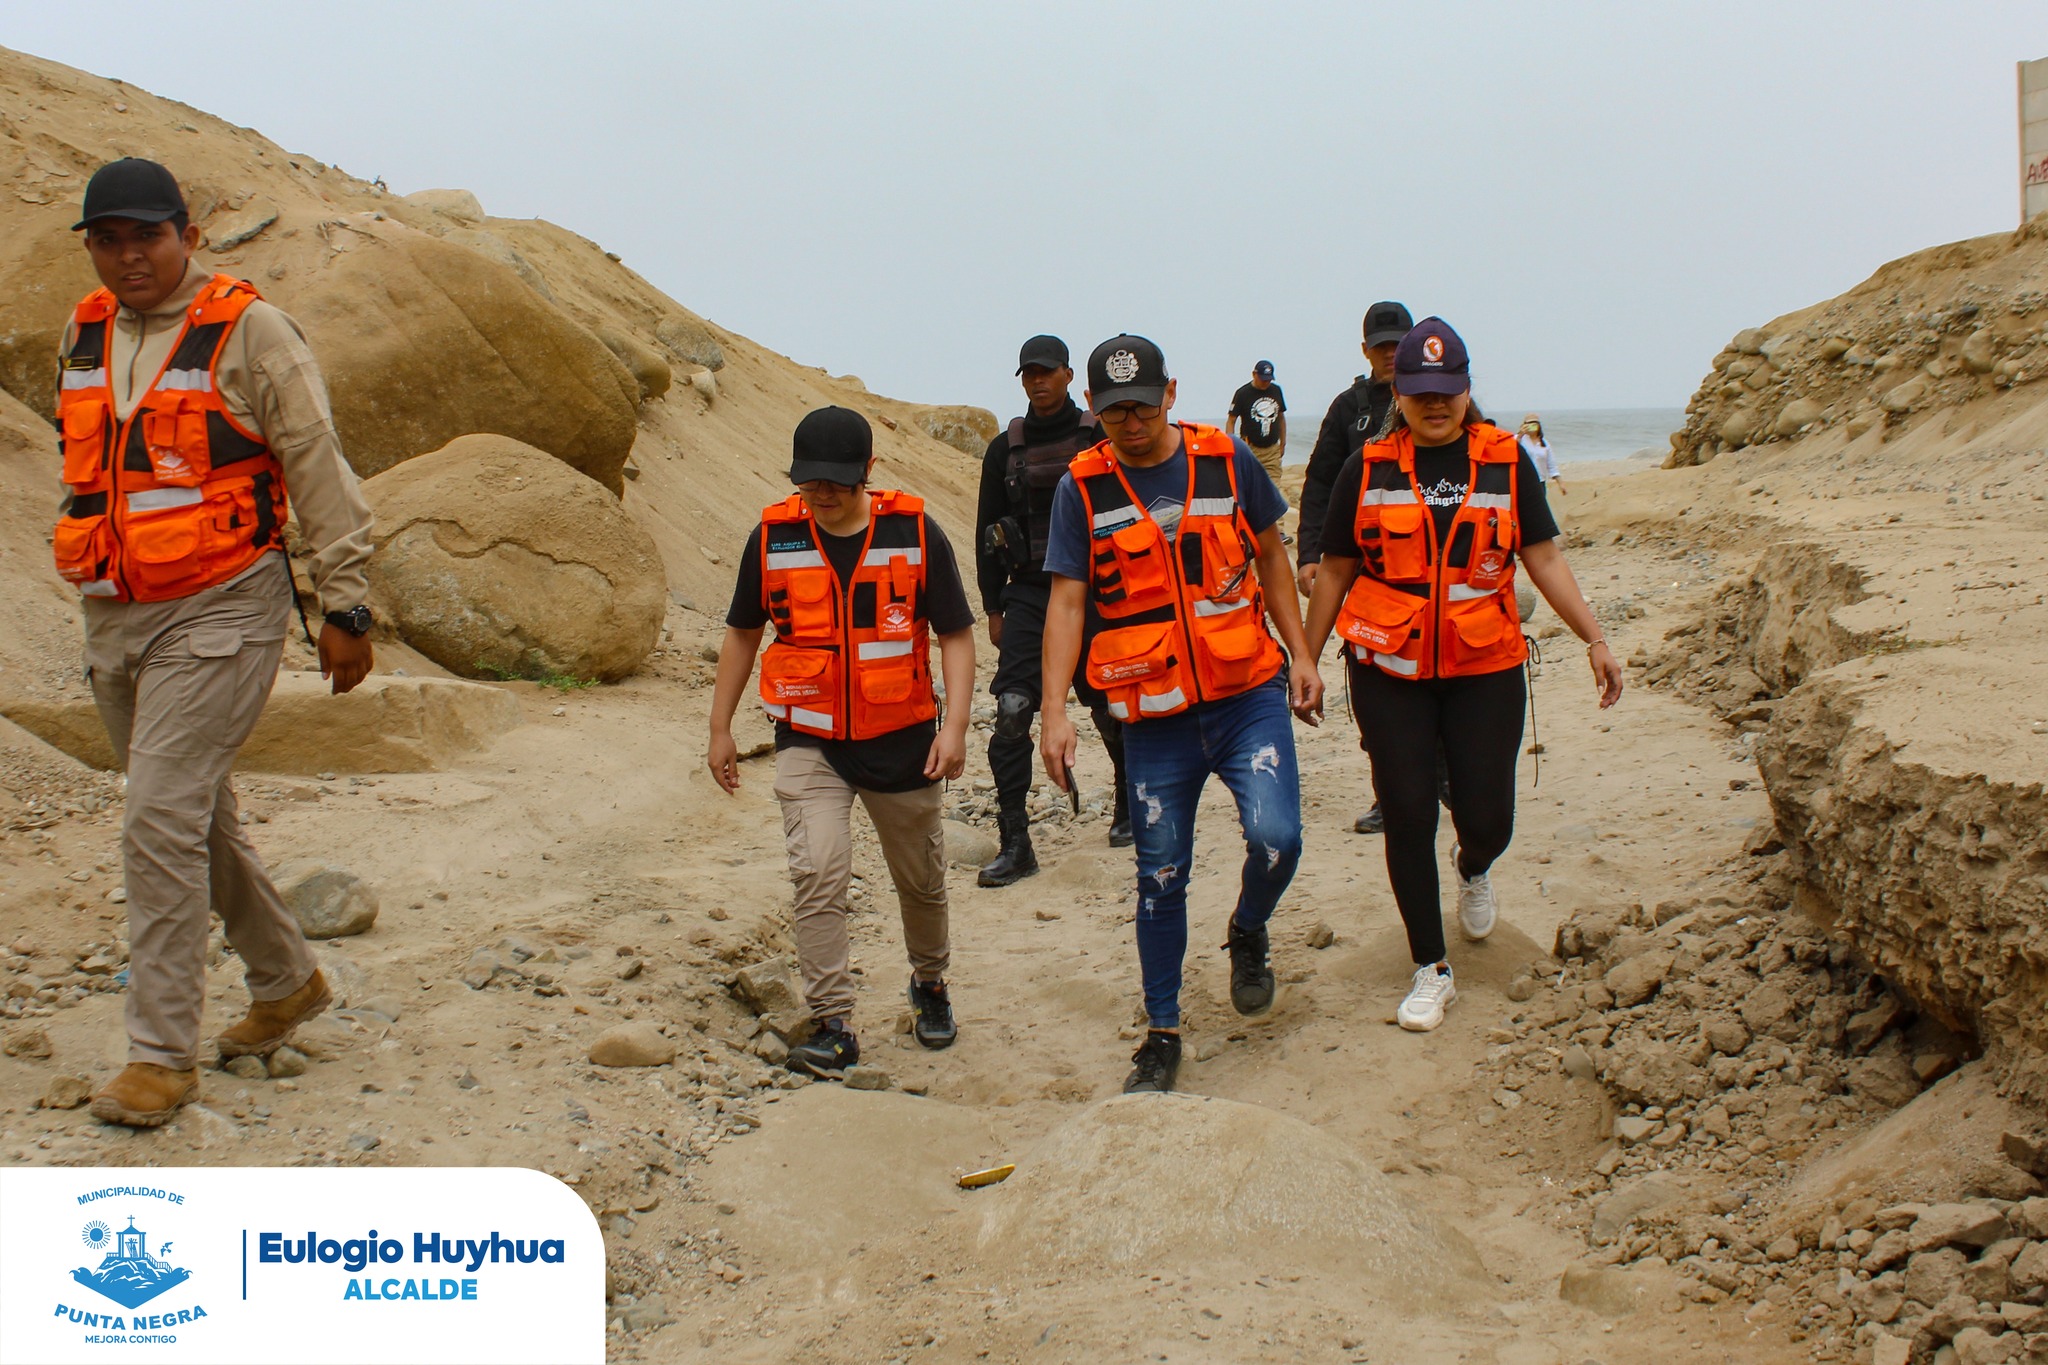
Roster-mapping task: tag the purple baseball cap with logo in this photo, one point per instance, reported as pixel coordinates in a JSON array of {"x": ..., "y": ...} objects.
[{"x": 1432, "y": 359}]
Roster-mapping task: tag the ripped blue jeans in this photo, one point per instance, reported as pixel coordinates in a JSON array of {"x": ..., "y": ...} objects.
[{"x": 1248, "y": 741}]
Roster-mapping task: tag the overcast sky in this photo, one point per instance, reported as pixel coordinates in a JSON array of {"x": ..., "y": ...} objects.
[{"x": 1596, "y": 195}]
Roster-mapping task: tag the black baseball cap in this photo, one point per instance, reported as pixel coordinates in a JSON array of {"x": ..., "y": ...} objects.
[
  {"x": 1386, "y": 321},
  {"x": 833, "y": 444},
  {"x": 131, "y": 188},
  {"x": 1264, "y": 369},
  {"x": 1432, "y": 359},
  {"x": 1047, "y": 351},
  {"x": 1126, "y": 369}
]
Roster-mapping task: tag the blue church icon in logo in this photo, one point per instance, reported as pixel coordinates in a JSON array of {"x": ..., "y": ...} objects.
[{"x": 128, "y": 1275}]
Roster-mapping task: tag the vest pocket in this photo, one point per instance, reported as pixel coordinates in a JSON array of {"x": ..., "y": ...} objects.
[
  {"x": 1137, "y": 669},
  {"x": 1141, "y": 562},
  {"x": 1403, "y": 549},
  {"x": 79, "y": 546},
  {"x": 1476, "y": 635},
  {"x": 163, "y": 551},
  {"x": 85, "y": 443},
  {"x": 886, "y": 682},
  {"x": 1229, "y": 649},
  {"x": 801, "y": 686},
  {"x": 175, "y": 434},
  {"x": 1380, "y": 618},
  {"x": 812, "y": 599}
]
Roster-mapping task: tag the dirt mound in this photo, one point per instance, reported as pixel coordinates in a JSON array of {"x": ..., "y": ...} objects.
[
  {"x": 1928, "y": 331},
  {"x": 1107, "y": 1187},
  {"x": 493, "y": 560}
]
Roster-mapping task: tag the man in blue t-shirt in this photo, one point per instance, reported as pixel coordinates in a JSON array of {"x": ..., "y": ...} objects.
[{"x": 1210, "y": 692}]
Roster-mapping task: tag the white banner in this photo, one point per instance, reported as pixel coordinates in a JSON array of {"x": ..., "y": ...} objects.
[{"x": 449, "y": 1265}]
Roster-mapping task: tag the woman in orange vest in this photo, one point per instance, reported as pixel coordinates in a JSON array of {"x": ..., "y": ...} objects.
[
  {"x": 1418, "y": 570},
  {"x": 855, "y": 583}
]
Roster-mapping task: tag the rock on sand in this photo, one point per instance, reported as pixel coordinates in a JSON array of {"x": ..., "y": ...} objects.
[
  {"x": 1204, "y": 1181},
  {"x": 493, "y": 558}
]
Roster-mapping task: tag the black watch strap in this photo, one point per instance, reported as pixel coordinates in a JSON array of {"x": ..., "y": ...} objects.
[{"x": 356, "y": 620}]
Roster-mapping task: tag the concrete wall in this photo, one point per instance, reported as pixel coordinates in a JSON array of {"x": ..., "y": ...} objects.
[{"x": 2033, "y": 138}]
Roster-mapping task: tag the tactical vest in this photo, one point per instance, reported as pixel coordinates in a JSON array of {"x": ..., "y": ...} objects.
[
  {"x": 1420, "y": 609},
  {"x": 179, "y": 497},
  {"x": 851, "y": 660},
  {"x": 1031, "y": 475},
  {"x": 1184, "y": 620}
]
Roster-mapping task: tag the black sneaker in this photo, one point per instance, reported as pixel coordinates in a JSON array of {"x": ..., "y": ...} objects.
[
  {"x": 1158, "y": 1061},
  {"x": 827, "y": 1052},
  {"x": 1372, "y": 822},
  {"x": 932, "y": 1011},
  {"x": 1251, "y": 976}
]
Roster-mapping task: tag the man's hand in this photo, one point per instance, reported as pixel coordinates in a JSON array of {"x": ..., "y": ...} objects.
[
  {"x": 995, "y": 629},
  {"x": 723, "y": 758},
  {"x": 345, "y": 658},
  {"x": 1606, "y": 673},
  {"x": 1305, "y": 690},
  {"x": 1560, "y": 486},
  {"x": 1056, "y": 744},
  {"x": 1305, "y": 579},
  {"x": 948, "y": 758}
]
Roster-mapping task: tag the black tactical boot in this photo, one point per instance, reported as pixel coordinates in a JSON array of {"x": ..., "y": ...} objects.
[
  {"x": 1016, "y": 860},
  {"x": 1120, "y": 835},
  {"x": 1251, "y": 976}
]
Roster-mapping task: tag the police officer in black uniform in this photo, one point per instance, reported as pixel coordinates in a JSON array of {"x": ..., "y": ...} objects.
[{"x": 1018, "y": 475}]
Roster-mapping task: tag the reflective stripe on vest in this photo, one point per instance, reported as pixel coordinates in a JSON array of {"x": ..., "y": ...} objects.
[
  {"x": 1183, "y": 619},
  {"x": 179, "y": 497},
  {"x": 849, "y": 660},
  {"x": 1424, "y": 608}
]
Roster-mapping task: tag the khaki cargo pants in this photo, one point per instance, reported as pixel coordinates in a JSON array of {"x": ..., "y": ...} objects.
[
  {"x": 817, "y": 824},
  {"x": 179, "y": 685},
  {"x": 1270, "y": 456}
]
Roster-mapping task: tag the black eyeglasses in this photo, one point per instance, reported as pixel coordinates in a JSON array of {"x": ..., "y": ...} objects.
[
  {"x": 816, "y": 486},
  {"x": 1125, "y": 412}
]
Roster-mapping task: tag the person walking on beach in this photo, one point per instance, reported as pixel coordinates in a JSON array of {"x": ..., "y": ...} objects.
[
  {"x": 188, "y": 407},
  {"x": 1355, "y": 417},
  {"x": 1541, "y": 455},
  {"x": 1418, "y": 580},
  {"x": 1262, "y": 410},
  {"x": 855, "y": 581},
  {"x": 1172, "y": 530},
  {"x": 1019, "y": 472}
]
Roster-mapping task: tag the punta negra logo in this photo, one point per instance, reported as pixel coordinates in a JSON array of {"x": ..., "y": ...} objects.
[
  {"x": 128, "y": 1273},
  {"x": 428, "y": 1248}
]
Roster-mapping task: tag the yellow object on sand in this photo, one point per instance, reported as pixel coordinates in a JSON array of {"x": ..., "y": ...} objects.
[{"x": 994, "y": 1175}]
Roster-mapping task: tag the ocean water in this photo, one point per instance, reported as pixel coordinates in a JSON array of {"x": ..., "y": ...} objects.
[{"x": 1576, "y": 434}]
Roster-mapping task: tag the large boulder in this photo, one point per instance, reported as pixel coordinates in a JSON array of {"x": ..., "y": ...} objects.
[
  {"x": 495, "y": 560},
  {"x": 423, "y": 340},
  {"x": 966, "y": 428}
]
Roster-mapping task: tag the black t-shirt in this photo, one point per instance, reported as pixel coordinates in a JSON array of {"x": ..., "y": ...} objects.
[
  {"x": 1444, "y": 473},
  {"x": 887, "y": 763},
  {"x": 1258, "y": 412}
]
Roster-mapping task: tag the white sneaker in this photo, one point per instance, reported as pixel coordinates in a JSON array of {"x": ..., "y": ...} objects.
[
  {"x": 1433, "y": 990},
  {"x": 1475, "y": 901}
]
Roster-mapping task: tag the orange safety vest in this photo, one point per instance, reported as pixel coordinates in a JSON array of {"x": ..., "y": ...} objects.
[
  {"x": 179, "y": 497},
  {"x": 1419, "y": 609},
  {"x": 1165, "y": 605},
  {"x": 876, "y": 622}
]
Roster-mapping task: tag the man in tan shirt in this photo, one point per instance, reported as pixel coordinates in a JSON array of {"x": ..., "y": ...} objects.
[{"x": 188, "y": 408}]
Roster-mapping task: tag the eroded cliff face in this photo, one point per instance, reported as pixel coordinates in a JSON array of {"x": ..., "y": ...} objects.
[{"x": 1912, "y": 842}]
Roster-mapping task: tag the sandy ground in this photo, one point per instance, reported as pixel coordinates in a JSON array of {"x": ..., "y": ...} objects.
[{"x": 815, "y": 1223}]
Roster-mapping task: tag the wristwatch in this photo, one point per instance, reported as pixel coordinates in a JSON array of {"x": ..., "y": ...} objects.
[{"x": 356, "y": 620}]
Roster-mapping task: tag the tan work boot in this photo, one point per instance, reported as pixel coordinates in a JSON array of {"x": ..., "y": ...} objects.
[
  {"x": 145, "y": 1095},
  {"x": 269, "y": 1022}
]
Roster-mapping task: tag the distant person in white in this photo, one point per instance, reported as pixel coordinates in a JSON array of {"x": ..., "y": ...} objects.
[{"x": 1540, "y": 451}]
